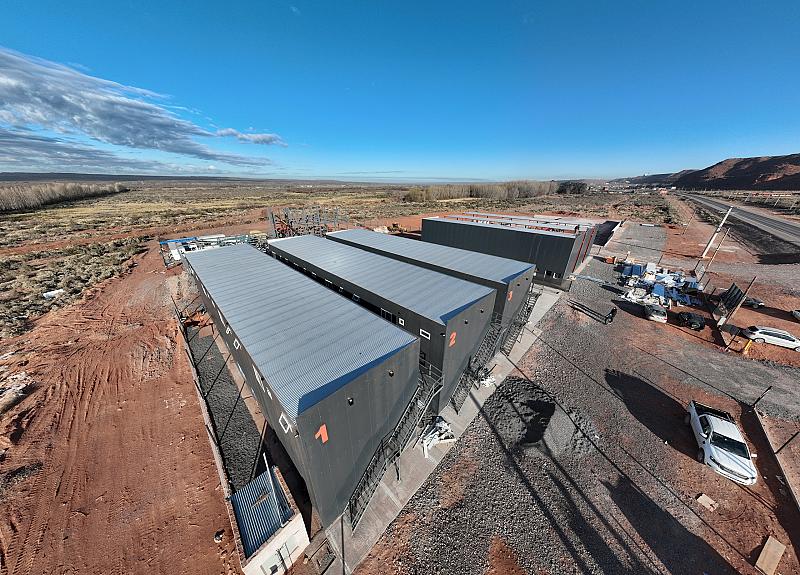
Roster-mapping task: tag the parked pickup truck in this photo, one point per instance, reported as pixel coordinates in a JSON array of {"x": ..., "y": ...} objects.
[{"x": 722, "y": 446}]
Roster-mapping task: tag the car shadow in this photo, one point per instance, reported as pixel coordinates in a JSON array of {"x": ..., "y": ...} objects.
[
  {"x": 654, "y": 409},
  {"x": 775, "y": 312}
]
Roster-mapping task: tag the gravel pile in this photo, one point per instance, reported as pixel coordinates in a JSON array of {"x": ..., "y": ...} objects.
[{"x": 239, "y": 445}]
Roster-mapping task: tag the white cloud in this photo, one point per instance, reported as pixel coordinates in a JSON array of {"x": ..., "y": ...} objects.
[{"x": 39, "y": 94}]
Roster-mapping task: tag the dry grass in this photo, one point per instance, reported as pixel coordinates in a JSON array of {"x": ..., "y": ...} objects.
[
  {"x": 172, "y": 207},
  {"x": 24, "y": 278},
  {"x": 32, "y": 196}
]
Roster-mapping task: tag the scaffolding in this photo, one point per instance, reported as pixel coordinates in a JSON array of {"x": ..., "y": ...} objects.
[{"x": 315, "y": 220}]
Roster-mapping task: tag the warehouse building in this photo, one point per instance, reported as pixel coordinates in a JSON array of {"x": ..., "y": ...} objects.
[
  {"x": 511, "y": 279},
  {"x": 451, "y": 316},
  {"x": 557, "y": 252},
  {"x": 332, "y": 379}
]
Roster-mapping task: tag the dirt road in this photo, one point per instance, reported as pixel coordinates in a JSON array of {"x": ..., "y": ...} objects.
[{"x": 108, "y": 468}]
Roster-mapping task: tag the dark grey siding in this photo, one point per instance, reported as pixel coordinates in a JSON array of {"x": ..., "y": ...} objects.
[
  {"x": 555, "y": 254},
  {"x": 425, "y": 301},
  {"x": 267, "y": 313}
]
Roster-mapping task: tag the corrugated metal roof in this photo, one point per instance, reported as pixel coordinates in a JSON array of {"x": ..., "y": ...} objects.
[
  {"x": 428, "y": 293},
  {"x": 475, "y": 264},
  {"x": 306, "y": 340},
  {"x": 509, "y": 228},
  {"x": 569, "y": 228},
  {"x": 537, "y": 218},
  {"x": 261, "y": 508}
]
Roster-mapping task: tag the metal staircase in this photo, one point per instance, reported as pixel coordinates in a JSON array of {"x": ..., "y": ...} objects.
[
  {"x": 476, "y": 368},
  {"x": 518, "y": 324},
  {"x": 393, "y": 443}
]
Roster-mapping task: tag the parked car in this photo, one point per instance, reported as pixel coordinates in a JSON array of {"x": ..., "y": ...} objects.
[
  {"x": 721, "y": 444},
  {"x": 796, "y": 314},
  {"x": 655, "y": 312},
  {"x": 761, "y": 334},
  {"x": 692, "y": 320}
]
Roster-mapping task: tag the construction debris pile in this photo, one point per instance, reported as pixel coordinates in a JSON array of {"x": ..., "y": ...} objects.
[{"x": 650, "y": 284}]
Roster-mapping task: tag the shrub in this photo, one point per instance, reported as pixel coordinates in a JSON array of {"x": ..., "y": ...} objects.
[{"x": 32, "y": 196}]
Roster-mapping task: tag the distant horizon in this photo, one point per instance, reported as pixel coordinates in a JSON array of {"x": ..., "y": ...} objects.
[{"x": 387, "y": 93}]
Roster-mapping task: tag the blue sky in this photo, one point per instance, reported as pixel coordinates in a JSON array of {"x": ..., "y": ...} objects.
[{"x": 396, "y": 90}]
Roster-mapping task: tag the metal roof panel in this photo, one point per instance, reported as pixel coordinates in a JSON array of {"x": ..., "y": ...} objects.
[
  {"x": 428, "y": 293},
  {"x": 476, "y": 264},
  {"x": 261, "y": 509},
  {"x": 305, "y": 340}
]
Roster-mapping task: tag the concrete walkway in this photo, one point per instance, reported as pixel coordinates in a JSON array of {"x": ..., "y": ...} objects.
[{"x": 392, "y": 495}]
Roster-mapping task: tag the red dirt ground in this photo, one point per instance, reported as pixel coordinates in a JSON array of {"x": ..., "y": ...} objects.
[
  {"x": 683, "y": 249},
  {"x": 127, "y": 481},
  {"x": 744, "y": 513},
  {"x": 502, "y": 559}
]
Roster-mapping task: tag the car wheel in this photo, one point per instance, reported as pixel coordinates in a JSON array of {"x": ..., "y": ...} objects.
[
  {"x": 759, "y": 340},
  {"x": 797, "y": 349},
  {"x": 701, "y": 456}
]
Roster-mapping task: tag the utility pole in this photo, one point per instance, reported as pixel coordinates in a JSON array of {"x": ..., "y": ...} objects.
[
  {"x": 716, "y": 232},
  {"x": 705, "y": 268}
]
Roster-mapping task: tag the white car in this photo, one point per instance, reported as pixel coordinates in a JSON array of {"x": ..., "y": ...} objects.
[
  {"x": 761, "y": 334},
  {"x": 655, "y": 312},
  {"x": 721, "y": 444}
]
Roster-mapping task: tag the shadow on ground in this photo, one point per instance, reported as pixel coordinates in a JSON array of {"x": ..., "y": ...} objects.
[
  {"x": 654, "y": 409},
  {"x": 677, "y": 548}
]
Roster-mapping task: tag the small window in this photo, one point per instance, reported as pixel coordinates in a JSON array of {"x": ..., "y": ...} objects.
[
  {"x": 328, "y": 283},
  {"x": 401, "y": 321},
  {"x": 236, "y": 344},
  {"x": 356, "y": 298},
  {"x": 424, "y": 334},
  {"x": 556, "y": 275},
  {"x": 284, "y": 421},
  {"x": 704, "y": 425},
  {"x": 548, "y": 274}
]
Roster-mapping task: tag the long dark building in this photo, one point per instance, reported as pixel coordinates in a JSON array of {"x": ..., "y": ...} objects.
[
  {"x": 451, "y": 316},
  {"x": 510, "y": 278},
  {"x": 556, "y": 254},
  {"x": 331, "y": 378}
]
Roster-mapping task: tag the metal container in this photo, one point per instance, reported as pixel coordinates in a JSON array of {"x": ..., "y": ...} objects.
[
  {"x": 556, "y": 254},
  {"x": 510, "y": 278},
  {"x": 331, "y": 378},
  {"x": 451, "y": 316}
]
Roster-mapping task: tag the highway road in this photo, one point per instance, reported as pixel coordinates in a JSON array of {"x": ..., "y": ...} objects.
[{"x": 778, "y": 227}]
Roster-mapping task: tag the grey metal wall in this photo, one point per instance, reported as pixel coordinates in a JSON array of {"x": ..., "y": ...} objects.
[
  {"x": 551, "y": 252},
  {"x": 379, "y": 392},
  {"x": 469, "y": 322}
]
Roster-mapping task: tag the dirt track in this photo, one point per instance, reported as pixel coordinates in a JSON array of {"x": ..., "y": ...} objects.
[{"x": 126, "y": 476}]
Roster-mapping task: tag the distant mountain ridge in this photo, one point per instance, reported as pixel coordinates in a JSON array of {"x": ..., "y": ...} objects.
[{"x": 761, "y": 173}]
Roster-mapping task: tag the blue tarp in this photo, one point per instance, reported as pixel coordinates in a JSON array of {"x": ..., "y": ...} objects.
[
  {"x": 658, "y": 289},
  {"x": 637, "y": 270}
]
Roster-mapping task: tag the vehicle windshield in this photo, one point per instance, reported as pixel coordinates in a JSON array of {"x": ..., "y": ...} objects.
[
  {"x": 657, "y": 311},
  {"x": 752, "y": 328},
  {"x": 730, "y": 445}
]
